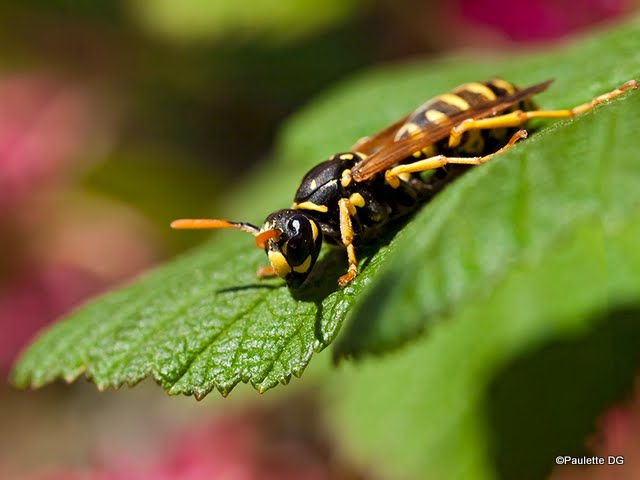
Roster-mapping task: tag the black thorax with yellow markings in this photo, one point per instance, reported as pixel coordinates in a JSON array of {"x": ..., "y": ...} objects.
[{"x": 374, "y": 201}]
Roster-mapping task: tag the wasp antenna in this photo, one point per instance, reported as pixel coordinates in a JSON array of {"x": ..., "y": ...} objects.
[
  {"x": 262, "y": 237},
  {"x": 205, "y": 223}
]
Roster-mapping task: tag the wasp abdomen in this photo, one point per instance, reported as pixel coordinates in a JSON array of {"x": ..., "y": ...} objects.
[{"x": 470, "y": 96}]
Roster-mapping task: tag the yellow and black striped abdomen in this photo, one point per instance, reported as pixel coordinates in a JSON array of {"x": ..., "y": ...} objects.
[{"x": 467, "y": 97}]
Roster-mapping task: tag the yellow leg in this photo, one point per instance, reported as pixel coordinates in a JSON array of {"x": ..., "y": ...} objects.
[
  {"x": 519, "y": 117},
  {"x": 391, "y": 175},
  {"x": 346, "y": 234}
]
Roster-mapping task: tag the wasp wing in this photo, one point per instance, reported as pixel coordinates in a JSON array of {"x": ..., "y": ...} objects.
[
  {"x": 392, "y": 152},
  {"x": 370, "y": 145}
]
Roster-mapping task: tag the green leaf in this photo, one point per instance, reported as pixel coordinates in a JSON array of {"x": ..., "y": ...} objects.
[
  {"x": 202, "y": 322},
  {"x": 515, "y": 379},
  {"x": 205, "y": 322},
  {"x": 525, "y": 277}
]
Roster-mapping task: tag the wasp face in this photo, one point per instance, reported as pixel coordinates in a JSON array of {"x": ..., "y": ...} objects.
[{"x": 294, "y": 250}]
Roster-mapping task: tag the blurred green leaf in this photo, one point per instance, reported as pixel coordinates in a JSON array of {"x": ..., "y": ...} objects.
[
  {"x": 526, "y": 277},
  {"x": 273, "y": 20},
  {"x": 205, "y": 322},
  {"x": 517, "y": 378}
]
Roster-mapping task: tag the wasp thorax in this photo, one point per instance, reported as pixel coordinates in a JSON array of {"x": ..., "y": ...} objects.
[{"x": 293, "y": 252}]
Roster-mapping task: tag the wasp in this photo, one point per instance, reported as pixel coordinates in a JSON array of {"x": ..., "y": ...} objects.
[{"x": 350, "y": 197}]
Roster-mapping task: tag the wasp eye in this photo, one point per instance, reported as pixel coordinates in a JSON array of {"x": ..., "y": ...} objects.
[
  {"x": 300, "y": 243},
  {"x": 298, "y": 225}
]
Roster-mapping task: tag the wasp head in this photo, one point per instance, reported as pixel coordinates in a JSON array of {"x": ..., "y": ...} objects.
[
  {"x": 291, "y": 239},
  {"x": 293, "y": 242}
]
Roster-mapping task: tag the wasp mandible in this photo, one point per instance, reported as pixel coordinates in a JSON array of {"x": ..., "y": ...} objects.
[{"x": 348, "y": 198}]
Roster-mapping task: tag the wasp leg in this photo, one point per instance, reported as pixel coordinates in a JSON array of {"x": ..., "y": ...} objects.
[
  {"x": 431, "y": 163},
  {"x": 517, "y": 118},
  {"x": 346, "y": 234},
  {"x": 266, "y": 272}
]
